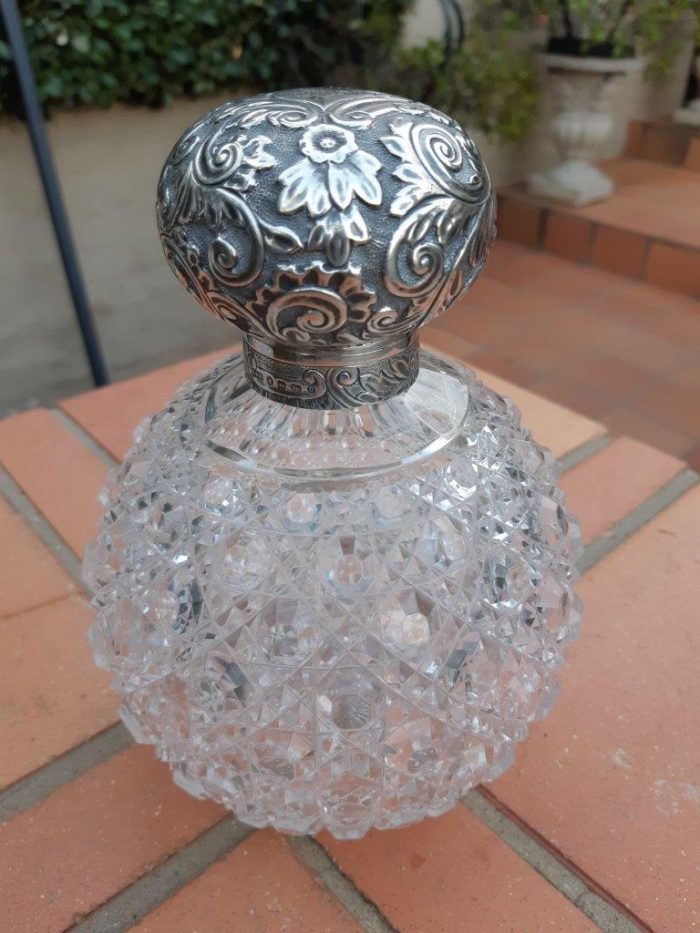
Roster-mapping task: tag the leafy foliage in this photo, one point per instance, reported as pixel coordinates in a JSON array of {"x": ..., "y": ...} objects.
[
  {"x": 618, "y": 28},
  {"x": 100, "y": 52},
  {"x": 488, "y": 81}
]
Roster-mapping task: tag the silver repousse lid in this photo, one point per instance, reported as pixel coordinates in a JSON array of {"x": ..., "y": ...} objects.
[{"x": 328, "y": 225}]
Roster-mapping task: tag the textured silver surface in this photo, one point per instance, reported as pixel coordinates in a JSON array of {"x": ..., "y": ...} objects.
[
  {"x": 326, "y": 219},
  {"x": 335, "y": 380}
]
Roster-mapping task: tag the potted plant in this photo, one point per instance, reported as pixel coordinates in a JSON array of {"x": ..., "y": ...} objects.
[
  {"x": 690, "y": 111},
  {"x": 591, "y": 45}
]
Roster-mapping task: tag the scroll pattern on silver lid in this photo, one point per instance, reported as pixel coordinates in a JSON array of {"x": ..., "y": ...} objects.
[{"x": 325, "y": 218}]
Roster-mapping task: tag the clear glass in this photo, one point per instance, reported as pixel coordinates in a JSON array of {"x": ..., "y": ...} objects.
[{"x": 334, "y": 619}]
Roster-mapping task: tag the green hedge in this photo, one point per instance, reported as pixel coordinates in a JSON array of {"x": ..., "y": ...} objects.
[{"x": 98, "y": 52}]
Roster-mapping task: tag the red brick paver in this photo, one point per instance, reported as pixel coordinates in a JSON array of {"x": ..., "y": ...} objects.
[
  {"x": 32, "y": 575},
  {"x": 519, "y": 221},
  {"x": 606, "y": 347},
  {"x": 661, "y": 140},
  {"x": 52, "y": 696},
  {"x": 659, "y": 201},
  {"x": 620, "y": 251},
  {"x": 692, "y": 156},
  {"x": 259, "y": 888},
  {"x": 56, "y": 471},
  {"x": 609, "y": 485},
  {"x": 674, "y": 267},
  {"x": 630, "y": 421},
  {"x": 88, "y": 840},
  {"x": 568, "y": 237},
  {"x": 451, "y": 873},
  {"x": 612, "y": 779},
  {"x": 646, "y": 230}
]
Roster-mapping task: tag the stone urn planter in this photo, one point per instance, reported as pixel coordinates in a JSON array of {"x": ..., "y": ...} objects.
[{"x": 581, "y": 125}]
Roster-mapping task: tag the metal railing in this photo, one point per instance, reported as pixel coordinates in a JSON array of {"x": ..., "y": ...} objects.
[{"x": 52, "y": 192}]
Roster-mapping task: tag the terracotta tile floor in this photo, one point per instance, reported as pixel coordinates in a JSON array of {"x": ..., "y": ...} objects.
[
  {"x": 622, "y": 352},
  {"x": 595, "y": 827},
  {"x": 660, "y": 201},
  {"x": 647, "y": 229},
  {"x": 661, "y": 140}
]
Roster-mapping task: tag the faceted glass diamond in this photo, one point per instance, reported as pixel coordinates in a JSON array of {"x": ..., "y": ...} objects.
[{"x": 334, "y": 619}]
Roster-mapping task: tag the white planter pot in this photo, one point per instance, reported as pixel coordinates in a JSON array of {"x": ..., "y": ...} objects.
[
  {"x": 690, "y": 112},
  {"x": 581, "y": 125}
]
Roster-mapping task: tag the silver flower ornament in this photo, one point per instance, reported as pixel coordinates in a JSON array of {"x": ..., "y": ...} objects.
[{"x": 334, "y": 172}]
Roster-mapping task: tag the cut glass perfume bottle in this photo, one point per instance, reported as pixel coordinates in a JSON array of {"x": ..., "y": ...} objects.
[{"x": 334, "y": 575}]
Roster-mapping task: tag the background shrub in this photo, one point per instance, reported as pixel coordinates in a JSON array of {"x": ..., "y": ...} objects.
[{"x": 100, "y": 52}]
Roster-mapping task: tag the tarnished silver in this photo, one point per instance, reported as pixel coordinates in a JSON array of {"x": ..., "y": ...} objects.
[
  {"x": 311, "y": 378},
  {"x": 328, "y": 225}
]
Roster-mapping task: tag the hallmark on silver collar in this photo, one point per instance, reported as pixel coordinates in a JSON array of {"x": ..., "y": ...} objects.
[{"x": 324, "y": 384}]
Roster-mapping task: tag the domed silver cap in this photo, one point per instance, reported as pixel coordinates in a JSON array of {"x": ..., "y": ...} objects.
[{"x": 328, "y": 225}]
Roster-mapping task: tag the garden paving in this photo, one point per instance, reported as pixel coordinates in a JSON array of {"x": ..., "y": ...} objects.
[{"x": 595, "y": 827}]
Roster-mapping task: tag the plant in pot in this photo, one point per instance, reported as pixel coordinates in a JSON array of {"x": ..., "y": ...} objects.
[
  {"x": 591, "y": 45},
  {"x": 483, "y": 72},
  {"x": 689, "y": 112}
]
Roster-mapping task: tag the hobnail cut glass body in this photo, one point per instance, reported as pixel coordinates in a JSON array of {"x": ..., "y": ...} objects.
[{"x": 337, "y": 619}]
